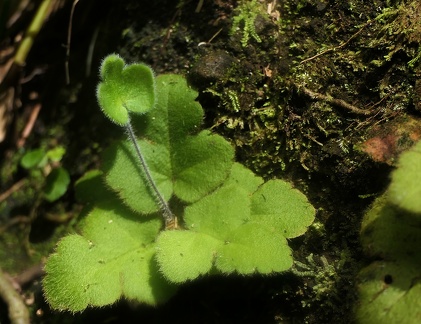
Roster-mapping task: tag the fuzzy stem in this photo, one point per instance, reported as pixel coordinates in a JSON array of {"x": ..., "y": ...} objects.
[{"x": 169, "y": 217}]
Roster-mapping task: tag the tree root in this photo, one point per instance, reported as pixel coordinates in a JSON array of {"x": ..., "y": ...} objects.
[
  {"x": 18, "y": 312},
  {"x": 333, "y": 101}
]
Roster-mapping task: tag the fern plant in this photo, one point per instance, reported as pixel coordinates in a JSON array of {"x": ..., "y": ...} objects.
[{"x": 169, "y": 204}]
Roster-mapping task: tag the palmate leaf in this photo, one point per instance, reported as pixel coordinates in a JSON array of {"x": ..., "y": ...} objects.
[
  {"x": 389, "y": 293},
  {"x": 113, "y": 258},
  {"x": 56, "y": 184},
  {"x": 34, "y": 158},
  {"x": 182, "y": 162},
  {"x": 234, "y": 222},
  {"x": 405, "y": 188},
  {"x": 235, "y": 231},
  {"x": 124, "y": 89},
  {"x": 389, "y": 289}
]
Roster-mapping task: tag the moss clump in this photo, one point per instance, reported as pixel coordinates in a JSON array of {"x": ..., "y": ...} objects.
[{"x": 245, "y": 19}]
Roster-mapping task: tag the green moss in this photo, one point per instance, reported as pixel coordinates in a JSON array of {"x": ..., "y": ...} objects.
[
  {"x": 399, "y": 21},
  {"x": 244, "y": 20},
  {"x": 324, "y": 276}
]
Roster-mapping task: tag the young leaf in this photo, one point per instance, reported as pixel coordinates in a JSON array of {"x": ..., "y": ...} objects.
[
  {"x": 113, "y": 258},
  {"x": 124, "y": 89},
  {"x": 56, "y": 184},
  {"x": 187, "y": 166},
  {"x": 33, "y": 158},
  {"x": 56, "y": 154}
]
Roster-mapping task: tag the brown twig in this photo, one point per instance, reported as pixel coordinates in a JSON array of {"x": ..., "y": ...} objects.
[
  {"x": 29, "y": 125},
  {"x": 15, "y": 187},
  {"x": 199, "y": 6},
  {"x": 15, "y": 221},
  {"x": 332, "y": 49},
  {"x": 18, "y": 312},
  {"x": 29, "y": 275},
  {"x": 335, "y": 102}
]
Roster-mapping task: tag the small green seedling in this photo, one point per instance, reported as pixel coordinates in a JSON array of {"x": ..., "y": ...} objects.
[
  {"x": 130, "y": 243},
  {"x": 125, "y": 90},
  {"x": 40, "y": 164}
]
